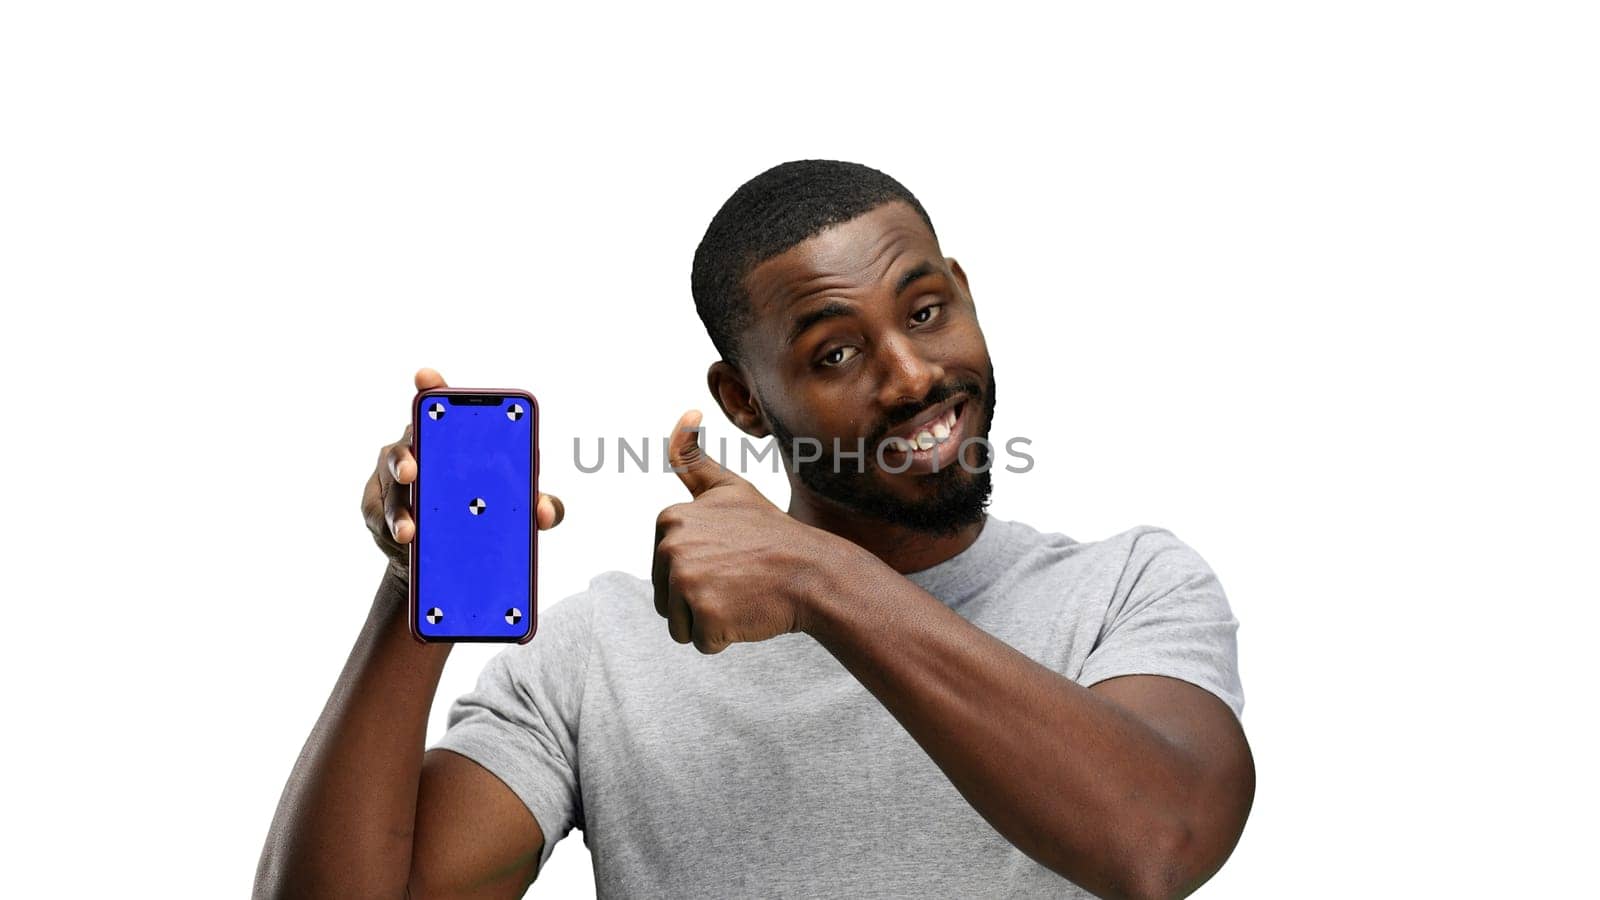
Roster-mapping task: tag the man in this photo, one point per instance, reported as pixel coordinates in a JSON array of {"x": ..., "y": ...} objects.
[{"x": 889, "y": 692}]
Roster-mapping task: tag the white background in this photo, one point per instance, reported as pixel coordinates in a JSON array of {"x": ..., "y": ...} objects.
[{"x": 1311, "y": 287}]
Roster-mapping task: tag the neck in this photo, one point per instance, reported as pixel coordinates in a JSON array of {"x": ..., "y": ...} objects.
[{"x": 902, "y": 549}]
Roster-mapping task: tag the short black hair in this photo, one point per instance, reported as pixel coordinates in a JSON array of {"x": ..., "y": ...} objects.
[{"x": 770, "y": 214}]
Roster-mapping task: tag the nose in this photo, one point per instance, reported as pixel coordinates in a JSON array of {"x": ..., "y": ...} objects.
[{"x": 907, "y": 376}]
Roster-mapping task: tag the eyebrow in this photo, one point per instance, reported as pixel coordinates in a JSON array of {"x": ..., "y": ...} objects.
[
  {"x": 835, "y": 309},
  {"x": 920, "y": 270}
]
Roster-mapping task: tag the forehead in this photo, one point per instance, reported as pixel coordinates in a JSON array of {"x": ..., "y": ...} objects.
[{"x": 861, "y": 254}]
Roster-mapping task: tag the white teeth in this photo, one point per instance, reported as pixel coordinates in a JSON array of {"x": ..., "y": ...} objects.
[{"x": 936, "y": 432}]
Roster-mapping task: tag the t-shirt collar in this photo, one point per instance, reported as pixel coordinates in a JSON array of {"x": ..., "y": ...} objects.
[{"x": 955, "y": 578}]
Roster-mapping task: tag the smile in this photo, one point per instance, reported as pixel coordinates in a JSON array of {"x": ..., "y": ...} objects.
[{"x": 934, "y": 438}]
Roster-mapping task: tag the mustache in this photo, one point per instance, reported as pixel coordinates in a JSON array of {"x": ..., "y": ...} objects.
[{"x": 907, "y": 413}]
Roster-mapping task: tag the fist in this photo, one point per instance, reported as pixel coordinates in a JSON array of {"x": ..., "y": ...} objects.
[{"x": 729, "y": 565}]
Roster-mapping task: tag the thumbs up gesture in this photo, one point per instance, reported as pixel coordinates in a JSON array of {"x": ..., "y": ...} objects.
[{"x": 729, "y": 565}]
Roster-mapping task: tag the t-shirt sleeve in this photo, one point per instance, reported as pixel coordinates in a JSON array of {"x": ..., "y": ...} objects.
[
  {"x": 1168, "y": 616},
  {"x": 521, "y": 720}
]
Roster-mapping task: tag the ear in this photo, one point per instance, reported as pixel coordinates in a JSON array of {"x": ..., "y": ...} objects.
[
  {"x": 961, "y": 276},
  {"x": 732, "y": 393}
]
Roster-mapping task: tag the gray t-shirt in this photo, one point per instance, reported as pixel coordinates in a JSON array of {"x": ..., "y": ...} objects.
[{"x": 767, "y": 770}]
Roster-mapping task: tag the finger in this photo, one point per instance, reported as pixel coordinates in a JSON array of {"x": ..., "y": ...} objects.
[
  {"x": 397, "y": 512},
  {"x": 372, "y": 500},
  {"x": 428, "y": 379},
  {"x": 660, "y": 571},
  {"x": 702, "y": 641},
  {"x": 551, "y": 511},
  {"x": 680, "y": 618},
  {"x": 699, "y": 472},
  {"x": 401, "y": 464}
]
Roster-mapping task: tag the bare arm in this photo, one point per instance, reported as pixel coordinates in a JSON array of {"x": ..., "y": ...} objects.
[
  {"x": 365, "y": 812},
  {"x": 1137, "y": 787},
  {"x": 360, "y": 791}
]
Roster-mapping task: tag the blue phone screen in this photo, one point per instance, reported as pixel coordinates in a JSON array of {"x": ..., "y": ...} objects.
[{"x": 474, "y": 512}]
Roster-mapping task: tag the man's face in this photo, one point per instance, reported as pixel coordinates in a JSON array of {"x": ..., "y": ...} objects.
[{"x": 866, "y": 335}]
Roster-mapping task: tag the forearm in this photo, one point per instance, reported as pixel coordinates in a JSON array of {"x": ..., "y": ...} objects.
[
  {"x": 344, "y": 824},
  {"x": 1067, "y": 776}
]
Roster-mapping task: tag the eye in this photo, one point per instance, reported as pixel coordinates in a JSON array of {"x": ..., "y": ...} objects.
[
  {"x": 838, "y": 356},
  {"x": 927, "y": 314}
]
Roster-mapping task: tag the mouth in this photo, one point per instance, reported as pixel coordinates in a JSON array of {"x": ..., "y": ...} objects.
[{"x": 931, "y": 442}]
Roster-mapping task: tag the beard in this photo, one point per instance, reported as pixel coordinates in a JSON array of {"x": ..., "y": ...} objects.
[{"x": 956, "y": 497}]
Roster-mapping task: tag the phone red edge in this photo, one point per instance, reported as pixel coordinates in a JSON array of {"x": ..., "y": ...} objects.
[{"x": 533, "y": 507}]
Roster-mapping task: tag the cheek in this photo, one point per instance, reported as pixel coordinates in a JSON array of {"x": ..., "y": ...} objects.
[
  {"x": 978, "y": 348},
  {"x": 834, "y": 412},
  {"x": 963, "y": 346}
]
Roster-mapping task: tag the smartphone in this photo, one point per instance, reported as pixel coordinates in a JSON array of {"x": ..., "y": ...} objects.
[{"x": 474, "y": 555}]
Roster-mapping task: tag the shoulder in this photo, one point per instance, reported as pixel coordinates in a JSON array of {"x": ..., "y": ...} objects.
[
  {"x": 1144, "y": 569},
  {"x": 616, "y": 585},
  {"x": 1145, "y": 553},
  {"x": 607, "y": 593},
  {"x": 573, "y": 628},
  {"x": 1156, "y": 573},
  {"x": 1156, "y": 551},
  {"x": 614, "y": 604},
  {"x": 1140, "y": 550},
  {"x": 600, "y": 606},
  {"x": 607, "y": 587}
]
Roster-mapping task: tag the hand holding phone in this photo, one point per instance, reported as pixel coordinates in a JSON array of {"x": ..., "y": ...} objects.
[{"x": 396, "y": 523}]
